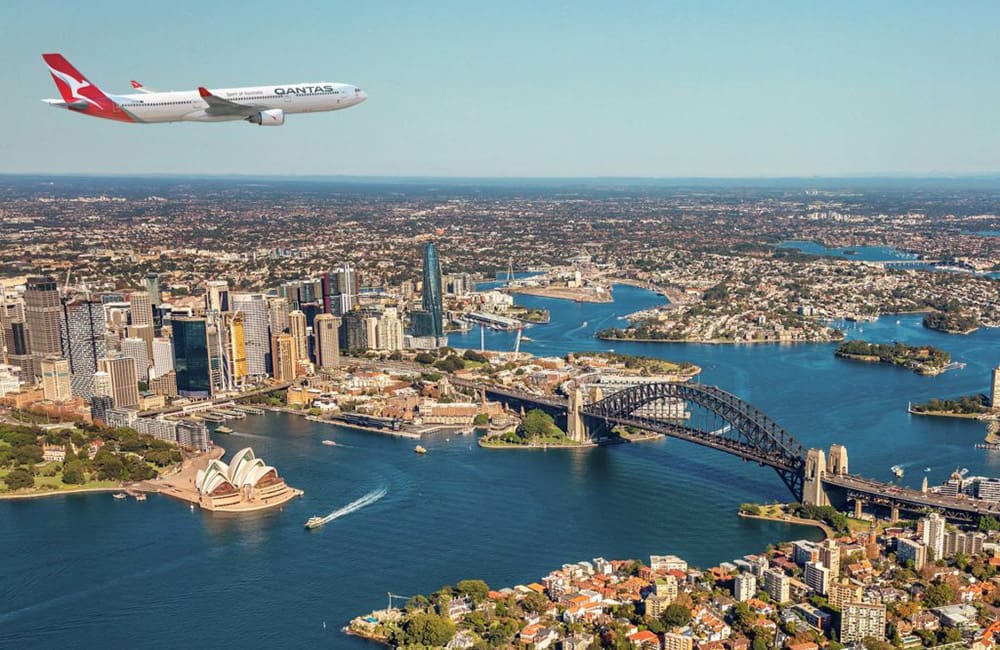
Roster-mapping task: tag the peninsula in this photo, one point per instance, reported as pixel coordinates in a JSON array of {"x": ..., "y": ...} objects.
[{"x": 923, "y": 360}]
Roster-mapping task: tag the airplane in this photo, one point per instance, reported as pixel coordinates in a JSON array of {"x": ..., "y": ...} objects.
[{"x": 261, "y": 105}]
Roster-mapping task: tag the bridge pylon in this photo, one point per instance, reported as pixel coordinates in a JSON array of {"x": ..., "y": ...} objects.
[
  {"x": 576, "y": 429},
  {"x": 813, "y": 492}
]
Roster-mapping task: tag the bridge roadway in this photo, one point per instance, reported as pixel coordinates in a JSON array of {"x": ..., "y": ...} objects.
[{"x": 907, "y": 498}]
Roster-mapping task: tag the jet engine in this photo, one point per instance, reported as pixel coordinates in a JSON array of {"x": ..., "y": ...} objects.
[{"x": 270, "y": 117}]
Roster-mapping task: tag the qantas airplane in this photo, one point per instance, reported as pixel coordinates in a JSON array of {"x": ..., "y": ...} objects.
[{"x": 263, "y": 105}]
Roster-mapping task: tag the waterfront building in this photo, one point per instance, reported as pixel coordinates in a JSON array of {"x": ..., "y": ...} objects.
[
  {"x": 859, "y": 621},
  {"x": 136, "y": 348},
  {"x": 245, "y": 480},
  {"x": 777, "y": 585},
  {"x": 163, "y": 356},
  {"x": 217, "y": 296},
  {"x": 56, "y": 379},
  {"x": 120, "y": 417},
  {"x": 159, "y": 428},
  {"x": 660, "y": 563},
  {"x": 256, "y": 331},
  {"x": 42, "y": 313},
  {"x": 817, "y": 577},
  {"x": 744, "y": 586},
  {"x": 297, "y": 329},
  {"x": 124, "y": 383},
  {"x": 932, "y": 534},
  {"x": 675, "y": 641},
  {"x": 193, "y": 434},
  {"x": 191, "y": 362},
  {"x": 165, "y": 384},
  {"x": 829, "y": 553},
  {"x": 83, "y": 340},
  {"x": 909, "y": 549},
  {"x": 283, "y": 354},
  {"x": 326, "y": 330}
]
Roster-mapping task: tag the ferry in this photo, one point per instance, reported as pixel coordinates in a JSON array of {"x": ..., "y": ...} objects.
[
  {"x": 329, "y": 443},
  {"x": 419, "y": 450},
  {"x": 897, "y": 471},
  {"x": 225, "y": 430}
]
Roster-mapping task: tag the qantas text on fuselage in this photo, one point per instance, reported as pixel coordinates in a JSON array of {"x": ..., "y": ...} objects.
[{"x": 263, "y": 105}]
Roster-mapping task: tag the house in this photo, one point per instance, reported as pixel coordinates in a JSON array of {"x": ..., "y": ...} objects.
[{"x": 645, "y": 640}]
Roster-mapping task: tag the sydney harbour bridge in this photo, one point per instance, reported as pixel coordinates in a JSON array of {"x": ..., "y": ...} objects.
[{"x": 711, "y": 417}]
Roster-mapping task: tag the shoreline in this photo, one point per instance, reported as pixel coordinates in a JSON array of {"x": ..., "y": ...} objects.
[
  {"x": 950, "y": 414},
  {"x": 344, "y": 425},
  {"x": 563, "y": 293},
  {"x": 716, "y": 341},
  {"x": 918, "y": 368},
  {"x": 827, "y": 531},
  {"x": 56, "y": 493}
]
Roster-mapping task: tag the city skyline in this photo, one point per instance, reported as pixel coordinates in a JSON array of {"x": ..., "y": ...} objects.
[{"x": 691, "y": 91}]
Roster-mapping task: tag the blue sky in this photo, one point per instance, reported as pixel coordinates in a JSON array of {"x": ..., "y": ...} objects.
[{"x": 658, "y": 89}]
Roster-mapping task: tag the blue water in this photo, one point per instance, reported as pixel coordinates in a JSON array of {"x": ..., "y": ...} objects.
[
  {"x": 90, "y": 571},
  {"x": 861, "y": 253}
]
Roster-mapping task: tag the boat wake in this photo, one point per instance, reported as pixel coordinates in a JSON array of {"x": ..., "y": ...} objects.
[{"x": 354, "y": 506}]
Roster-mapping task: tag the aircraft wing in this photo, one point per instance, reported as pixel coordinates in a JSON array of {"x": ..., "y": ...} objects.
[{"x": 219, "y": 106}]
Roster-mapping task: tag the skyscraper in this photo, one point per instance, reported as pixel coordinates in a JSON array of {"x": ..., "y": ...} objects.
[
  {"x": 55, "y": 379},
  {"x": 432, "y": 297},
  {"x": 345, "y": 291},
  {"x": 83, "y": 342},
  {"x": 191, "y": 357},
  {"x": 389, "y": 331},
  {"x": 297, "y": 328},
  {"x": 152, "y": 282},
  {"x": 283, "y": 354},
  {"x": 140, "y": 308},
  {"x": 136, "y": 348},
  {"x": 217, "y": 296},
  {"x": 163, "y": 357},
  {"x": 256, "y": 332},
  {"x": 42, "y": 314},
  {"x": 326, "y": 330},
  {"x": 124, "y": 383}
]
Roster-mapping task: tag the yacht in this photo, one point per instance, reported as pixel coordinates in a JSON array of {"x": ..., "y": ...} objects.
[
  {"x": 419, "y": 450},
  {"x": 315, "y": 522},
  {"x": 329, "y": 443}
]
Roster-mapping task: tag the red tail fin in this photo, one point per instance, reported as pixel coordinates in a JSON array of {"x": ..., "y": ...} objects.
[{"x": 73, "y": 86}]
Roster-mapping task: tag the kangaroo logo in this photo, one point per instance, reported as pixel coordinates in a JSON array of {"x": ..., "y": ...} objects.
[{"x": 74, "y": 85}]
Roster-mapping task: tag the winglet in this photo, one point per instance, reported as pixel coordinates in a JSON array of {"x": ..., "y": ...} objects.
[
  {"x": 136, "y": 84},
  {"x": 204, "y": 91}
]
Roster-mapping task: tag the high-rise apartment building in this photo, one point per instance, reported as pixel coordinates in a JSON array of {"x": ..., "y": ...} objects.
[
  {"x": 858, "y": 621},
  {"x": 932, "y": 535},
  {"x": 429, "y": 321},
  {"x": 777, "y": 585},
  {"x": 83, "y": 342},
  {"x": 256, "y": 331},
  {"x": 297, "y": 328},
  {"x": 326, "y": 331},
  {"x": 191, "y": 362},
  {"x": 913, "y": 550},
  {"x": 55, "y": 379},
  {"x": 136, "y": 348},
  {"x": 817, "y": 577},
  {"x": 675, "y": 641},
  {"x": 277, "y": 314},
  {"x": 283, "y": 354},
  {"x": 829, "y": 555},
  {"x": 389, "y": 331},
  {"x": 163, "y": 357},
  {"x": 340, "y": 290},
  {"x": 124, "y": 383},
  {"x": 42, "y": 313},
  {"x": 744, "y": 586}
]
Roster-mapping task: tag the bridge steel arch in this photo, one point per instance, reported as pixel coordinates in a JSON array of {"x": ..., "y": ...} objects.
[{"x": 749, "y": 434}]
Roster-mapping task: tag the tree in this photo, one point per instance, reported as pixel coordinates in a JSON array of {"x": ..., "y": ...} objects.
[
  {"x": 109, "y": 466},
  {"x": 761, "y": 641},
  {"x": 477, "y": 590},
  {"x": 988, "y": 523},
  {"x": 73, "y": 472},
  {"x": 28, "y": 454},
  {"x": 19, "y": 478},
  {"x": 481, "y": 420},
  {"x": 428, "y": 629},
  {"x": 538, "y": 423},
  {"x": 675, "y": 615},
  {"x": 743, "y": 617},
  {"x": 937, "y": 594},
  {"x": 535, "y": 603},
  {"x": 871, "y": 643}
]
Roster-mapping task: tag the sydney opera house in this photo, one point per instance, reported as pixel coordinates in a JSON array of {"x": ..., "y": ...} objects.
[{"x": 246, "y": 483}]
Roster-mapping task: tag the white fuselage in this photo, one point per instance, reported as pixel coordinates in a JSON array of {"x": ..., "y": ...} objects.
[{"x": 188, "y": 105}]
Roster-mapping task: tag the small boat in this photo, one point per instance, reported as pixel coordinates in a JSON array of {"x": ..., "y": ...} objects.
[
  {"x": 223, "y": 430},
  {"x": 897, "y": 471},
  {"x": 927, "y": 469},
  {"x": 120, "y": 495},
  {"x": 192, "y": 507},
  {"x": 315, "y": 522},
  {"x": 419, "y": 450},
  {"x": 329, "y": 443},
  {"x": 140, "y": 497}
]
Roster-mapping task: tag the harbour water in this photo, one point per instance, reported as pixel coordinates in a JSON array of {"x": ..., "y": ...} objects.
[{"x": 89, "y": 570}]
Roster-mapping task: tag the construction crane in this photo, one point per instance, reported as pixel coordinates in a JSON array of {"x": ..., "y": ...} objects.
[{"x": 397, "y": 597}]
